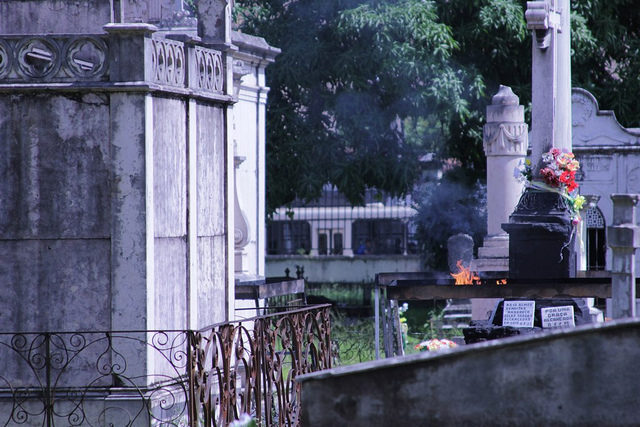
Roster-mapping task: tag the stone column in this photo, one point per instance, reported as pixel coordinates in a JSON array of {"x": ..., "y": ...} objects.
[
  {"x": 550, "y": 78},
  {"x": 623, "y": 238},
  {"x": 505, "y": 145}
]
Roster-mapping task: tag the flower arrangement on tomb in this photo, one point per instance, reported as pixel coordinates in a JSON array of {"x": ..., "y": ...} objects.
[{"x": 559, "y": 176}]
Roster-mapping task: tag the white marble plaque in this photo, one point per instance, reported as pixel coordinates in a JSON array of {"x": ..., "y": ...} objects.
[
  {"x": 518, "y": 314},
  {"x": 558, "y": 317}
]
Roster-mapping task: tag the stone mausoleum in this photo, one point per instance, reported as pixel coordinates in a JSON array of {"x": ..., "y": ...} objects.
[
  {"x": 609, "y": 156},
  {"x": 115, "y": 162}
]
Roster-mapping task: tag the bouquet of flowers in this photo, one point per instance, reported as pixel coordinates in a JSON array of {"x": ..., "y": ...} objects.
[
  {"x": 435, "y": 344},
  {"x": 558, "y": 175}
]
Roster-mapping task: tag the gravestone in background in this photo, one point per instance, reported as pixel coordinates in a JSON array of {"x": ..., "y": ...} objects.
[{"x": 459, "y": 248}]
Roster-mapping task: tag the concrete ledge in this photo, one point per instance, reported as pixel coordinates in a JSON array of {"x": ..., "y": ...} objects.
[
  {"x": 580, "y": 376},
  {"x": 342, "y": 269}
]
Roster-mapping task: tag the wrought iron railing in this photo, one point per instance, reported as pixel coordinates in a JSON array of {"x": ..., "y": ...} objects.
[{"x": 207, "y": 378}]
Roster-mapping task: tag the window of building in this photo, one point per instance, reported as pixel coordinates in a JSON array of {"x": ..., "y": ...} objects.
[
  {"x": 596, "y": 245},
  {"x": 288, "y": 237},
  {"x": 330, "y": 242},
  {"x": 379, "y": 236}
]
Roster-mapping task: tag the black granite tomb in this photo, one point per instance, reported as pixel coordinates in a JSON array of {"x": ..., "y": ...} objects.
[{"x": 541, "y": 237}]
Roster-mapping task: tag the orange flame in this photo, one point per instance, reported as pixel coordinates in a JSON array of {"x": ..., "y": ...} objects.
[{"x": 465, "y": 276}]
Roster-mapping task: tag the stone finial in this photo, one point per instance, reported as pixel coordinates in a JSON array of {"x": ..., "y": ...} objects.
[
  {"x": 505, "y": 132},
  {"x": 505, "y": 96}
]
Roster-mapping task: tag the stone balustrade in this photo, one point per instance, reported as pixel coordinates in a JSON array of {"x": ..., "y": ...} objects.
[{"x": 152, "y": 62}]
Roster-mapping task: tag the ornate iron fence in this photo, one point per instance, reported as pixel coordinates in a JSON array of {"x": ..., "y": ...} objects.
[{"x": 164, "y": 378}]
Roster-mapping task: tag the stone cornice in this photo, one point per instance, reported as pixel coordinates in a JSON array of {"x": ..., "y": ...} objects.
[{"x": 129, "y": 58}]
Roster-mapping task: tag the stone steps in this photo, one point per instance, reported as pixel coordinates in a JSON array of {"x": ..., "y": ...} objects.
[{"x": 457, "y": 314}]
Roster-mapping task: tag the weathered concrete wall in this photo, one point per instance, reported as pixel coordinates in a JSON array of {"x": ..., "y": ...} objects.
[
  {"x": 54, "y": 212},
  {"x": 129, "y": 243},
  {"x": 170, "y": 212},
  {"x": 342, "y": 269},
  {"x": 59, "y": 285},
  {"x": 211, "y": 217},
  {"x": 585, "y": 376}
]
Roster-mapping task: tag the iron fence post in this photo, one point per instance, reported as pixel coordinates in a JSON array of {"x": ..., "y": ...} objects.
[
  {"x": 48, "y": 396},
  {"x": 193, "y": 414},
  {"x": 377, "y": 320}
]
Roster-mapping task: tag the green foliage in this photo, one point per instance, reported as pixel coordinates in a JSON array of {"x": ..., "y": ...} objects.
[
  {"x": 363, "y": 87},
  {"x": 349, "y": 74},
  {"x": 454, "y": 205},
  {"x": 353, "y": 339}
]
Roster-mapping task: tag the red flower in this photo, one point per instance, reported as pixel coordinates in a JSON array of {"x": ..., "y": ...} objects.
[
  {"x": 550, "y": 177},
  {"x": 567, "y": 177}
]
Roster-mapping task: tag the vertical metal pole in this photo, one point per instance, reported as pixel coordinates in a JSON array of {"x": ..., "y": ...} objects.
[
  {"x": 377, "y": 315},
  {"x": 191, "y": 377},
  {"x": 623, "y": 237},
  {"x": 48, "y": 392}
]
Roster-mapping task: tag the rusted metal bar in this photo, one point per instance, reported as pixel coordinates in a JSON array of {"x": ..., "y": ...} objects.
[{"x": 255, "y": 368}]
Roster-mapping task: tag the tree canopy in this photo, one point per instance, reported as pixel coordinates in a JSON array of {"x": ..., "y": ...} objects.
[{"x": 362, "y": 88}]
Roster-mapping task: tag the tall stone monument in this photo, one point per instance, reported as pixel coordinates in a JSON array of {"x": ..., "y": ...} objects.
[
  {"x": 541, "y": 233},
  {"x": 116, "y": 197},
  {"x": 505, "y": 145}
]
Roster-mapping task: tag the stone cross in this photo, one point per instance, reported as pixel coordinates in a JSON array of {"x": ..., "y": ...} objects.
[
  {"x": 551, "y": 77},
  {"x": 540, "y": 236}
]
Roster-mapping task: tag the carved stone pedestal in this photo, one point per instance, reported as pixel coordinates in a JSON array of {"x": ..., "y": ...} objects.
[{"x": 541, "y": 237}]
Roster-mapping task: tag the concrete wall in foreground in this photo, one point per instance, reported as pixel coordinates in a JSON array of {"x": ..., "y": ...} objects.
[{"x": 586, "y": 376}]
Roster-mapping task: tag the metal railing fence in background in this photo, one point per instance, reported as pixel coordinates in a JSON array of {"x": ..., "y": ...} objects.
[{"x": 331, "y": 226}]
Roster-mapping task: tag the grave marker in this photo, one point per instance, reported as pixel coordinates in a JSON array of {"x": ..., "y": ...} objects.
[
  {"x": 557, "y": 317},
  {"x": 518, "y": 314}
]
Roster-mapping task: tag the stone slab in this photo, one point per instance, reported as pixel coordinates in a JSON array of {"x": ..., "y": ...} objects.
[
  {"x": 55, "y": 166},
  {"x": 493, "y": 252},
  {"x": 54, "y": 285}
]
